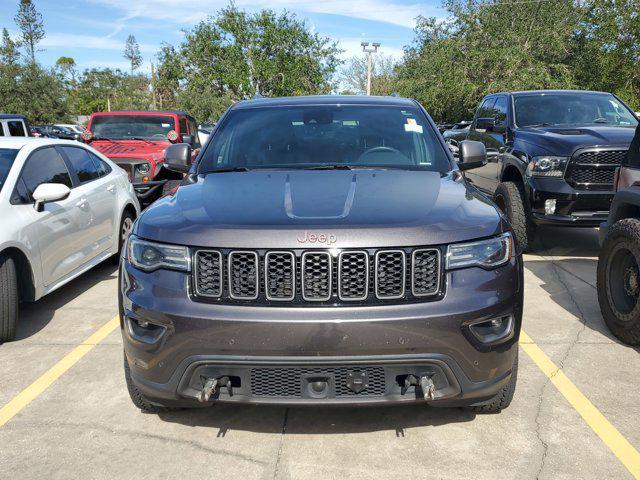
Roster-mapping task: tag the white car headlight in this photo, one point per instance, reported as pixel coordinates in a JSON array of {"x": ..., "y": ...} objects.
[
  {"x": 547, "y": 166},
  {"x": 488, "y": 253},
  {"x": 149, "y": 256}
]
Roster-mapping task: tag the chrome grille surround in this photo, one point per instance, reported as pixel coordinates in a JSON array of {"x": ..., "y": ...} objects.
[
  {"x": 246, "y": 267},
  {"x": 430, "y": 271},
  {"x": 348, "y": 280},
  {"x": 386, "y": 260},
  {"x": 211, "y": 287},
  {"x": 317, "y": 277},
  {"x": 278, "y": 284},
  {"x": 317, "y": 280}
]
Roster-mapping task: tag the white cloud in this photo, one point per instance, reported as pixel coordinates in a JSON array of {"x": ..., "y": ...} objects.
[
  {"x": 191, "y": 11},
  {"x": 70, "y": 40}
]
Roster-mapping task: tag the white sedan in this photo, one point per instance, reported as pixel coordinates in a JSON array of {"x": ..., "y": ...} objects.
[{"x": 66, "y": 208}]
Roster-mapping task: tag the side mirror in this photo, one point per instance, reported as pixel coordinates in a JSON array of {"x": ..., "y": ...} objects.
[
  {"x": 177, "y": 157},
  {"x": 187, "y": 139},
  {"x": 49, "y": 192},
  {"x": 471, "y": 155}
]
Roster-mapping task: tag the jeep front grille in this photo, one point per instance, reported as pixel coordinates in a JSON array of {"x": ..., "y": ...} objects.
[
  {"x": 594, "y": 169},
  {"x": 318, "y": 277}
]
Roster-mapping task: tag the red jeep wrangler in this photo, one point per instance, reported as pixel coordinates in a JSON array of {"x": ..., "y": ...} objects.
[{"x": 136, "y": 141}]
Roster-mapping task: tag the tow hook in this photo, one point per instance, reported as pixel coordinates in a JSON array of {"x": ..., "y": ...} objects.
[
  {"x": 424, "y": 382},
  {"x": 213, "y": 384}
]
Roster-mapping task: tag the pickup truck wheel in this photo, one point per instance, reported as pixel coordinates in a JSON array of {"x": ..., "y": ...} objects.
[
  {"x": 8, "y": 299},
  {"x": 618, "y": 283},
  {"x": 503, "y": 398},
  {"x": 509, "y": 197},
  {"x": 138, "y": 399}
]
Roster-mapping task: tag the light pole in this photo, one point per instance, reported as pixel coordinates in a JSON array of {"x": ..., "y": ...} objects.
[{"x": 369, "y": 49}]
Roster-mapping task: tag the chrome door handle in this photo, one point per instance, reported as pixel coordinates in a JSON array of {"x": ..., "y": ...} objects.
[
  {"x": 82, "y": 203},
  {"x": 111, "y": 188}
]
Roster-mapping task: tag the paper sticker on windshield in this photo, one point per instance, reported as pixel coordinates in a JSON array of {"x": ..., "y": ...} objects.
[
  {"x": 166, "y": 125},
  {"x": 412, "y": 126}
]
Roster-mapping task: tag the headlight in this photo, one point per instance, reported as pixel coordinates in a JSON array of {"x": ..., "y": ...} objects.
[
  {"x": 150, "y": 256},
  {"x": 143, "y": 168},
  {"x": 547, "y": 166},
  {"x": 483, "y": 253}
]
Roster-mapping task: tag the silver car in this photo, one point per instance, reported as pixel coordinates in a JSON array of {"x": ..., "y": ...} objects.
[{"x": 65, "y": 209}]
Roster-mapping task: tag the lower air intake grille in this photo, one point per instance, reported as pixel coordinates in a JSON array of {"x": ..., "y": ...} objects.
[{"x": 281, "y": 382}]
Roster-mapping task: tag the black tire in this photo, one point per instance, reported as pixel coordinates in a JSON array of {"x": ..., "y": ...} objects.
[
  {"x": 138, "y": 399},
  {"x": 503, "y": 398},
  {"x": 618, "y": 282},
  {"x": 169, "y": 185},
  {"x": 8, "y": 299},
  {"x": 126, "y": 224},
  {"x": 509, "y": 197}
]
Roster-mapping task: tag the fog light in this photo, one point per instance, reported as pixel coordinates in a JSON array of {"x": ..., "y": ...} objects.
[
  {"x": 493, "y": 331},
  {"x": 550, "y": 207}
]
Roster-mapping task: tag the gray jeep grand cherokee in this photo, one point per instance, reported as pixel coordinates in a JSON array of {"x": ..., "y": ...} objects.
[{"x": 322, "y": 250}]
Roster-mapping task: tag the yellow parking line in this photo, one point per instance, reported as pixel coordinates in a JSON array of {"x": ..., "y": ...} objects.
[
  {"x": 609, "y": 434},
  {"x": 25, "y": 397}
]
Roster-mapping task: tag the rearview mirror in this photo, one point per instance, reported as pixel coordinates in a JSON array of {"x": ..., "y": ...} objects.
[
  {"x": 178, "y": 157},
  {"x": 471, "y": 155},
  {"x": 486, "y": 124},
  {"x": 49, "y": 192}
]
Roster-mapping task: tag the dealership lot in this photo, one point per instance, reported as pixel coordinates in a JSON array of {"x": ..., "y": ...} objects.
[{"x": 84, "y": 425}]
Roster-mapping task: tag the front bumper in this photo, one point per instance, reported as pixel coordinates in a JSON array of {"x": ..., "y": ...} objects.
[
  {"x": 579, "y": 208},
  {"x": 147, "y": 192},
  {"x": 272, "y": 354}
]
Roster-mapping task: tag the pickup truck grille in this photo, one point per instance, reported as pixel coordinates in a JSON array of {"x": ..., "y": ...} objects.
[
  {"x": 594, "y": 169},
  {"x": 317, "y": 277}
]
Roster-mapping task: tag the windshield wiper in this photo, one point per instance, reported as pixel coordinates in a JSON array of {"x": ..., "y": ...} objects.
[
  {"x": 230, "y": 169},
  {"x": 101, "y": 138},
  {"x": 543, "y": 124},
  {"x": 143, "y": 140},
  {"x": 329, "y": 167}
]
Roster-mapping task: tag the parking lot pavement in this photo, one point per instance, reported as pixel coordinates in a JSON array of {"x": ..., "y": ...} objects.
[{"x": 84, "y": 426}]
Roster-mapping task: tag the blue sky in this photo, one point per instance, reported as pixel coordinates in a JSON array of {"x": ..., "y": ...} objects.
[{"x": 93, "y": 32}]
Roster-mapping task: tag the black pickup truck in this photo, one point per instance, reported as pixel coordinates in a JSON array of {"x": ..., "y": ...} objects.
[{"x": 552, "y": 155}]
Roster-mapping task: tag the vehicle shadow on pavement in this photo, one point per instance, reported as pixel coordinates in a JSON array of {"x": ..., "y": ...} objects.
[
  {"x": 321, "y": 421},
  {"x": 566, "y": 261},
  {"x": 34, "y": 316}
]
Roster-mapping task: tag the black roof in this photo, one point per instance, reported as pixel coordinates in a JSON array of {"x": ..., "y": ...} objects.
[
  {"x": 5, "y": 116},
  {"x": 538, "y": 92},
  {"x": 325, "y": 100}
]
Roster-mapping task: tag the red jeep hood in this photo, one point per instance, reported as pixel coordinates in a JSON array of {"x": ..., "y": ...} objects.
[{"x": 127, "y": 148}]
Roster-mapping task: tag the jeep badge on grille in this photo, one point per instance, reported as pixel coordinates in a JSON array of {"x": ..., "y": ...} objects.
[{"x": 327, "y": 239}]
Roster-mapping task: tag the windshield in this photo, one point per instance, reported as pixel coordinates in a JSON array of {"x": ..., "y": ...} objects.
[
  {"x": 121, "y": 127},
  {"x": 7, "y": 156},
  {"x": 548, "y": 109},
  {"x": 329, "y": 136}
]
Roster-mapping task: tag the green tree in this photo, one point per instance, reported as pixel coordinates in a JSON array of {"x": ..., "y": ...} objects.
[
  {"x": 236, "y": 54},
  {"x": 9, "y": 52},
  {"x": 132, "y": 53},
  {"x": 97, "y": 88},
  {"x": 488, "y": 46},
  {"x": 607, "y": 50},
  {"x": 29, "y": 20},
  {"x": 66, "y": 67}
]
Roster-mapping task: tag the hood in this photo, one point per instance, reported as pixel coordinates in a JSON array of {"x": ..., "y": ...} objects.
[
  {"x": 129, "y": 148},
  {"x": 337, "y": 208},
  {"x": 565, "y": 140}
]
